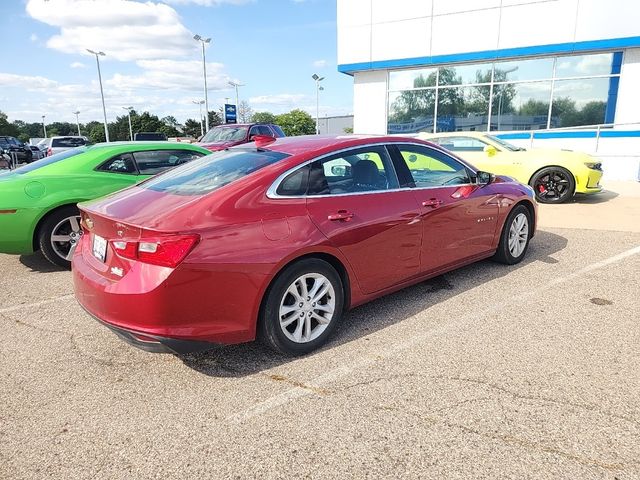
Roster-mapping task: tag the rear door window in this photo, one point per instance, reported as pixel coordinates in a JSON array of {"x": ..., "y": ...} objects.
[
  {"x": 209, "y": 173},
  {"x": 122, "y": 163},
  {"x": 68, "y": 142},
  {"x": 152, "y": 162}
]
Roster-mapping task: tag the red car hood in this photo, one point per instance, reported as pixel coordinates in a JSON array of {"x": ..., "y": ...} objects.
[{"x": 215, "y": 146}]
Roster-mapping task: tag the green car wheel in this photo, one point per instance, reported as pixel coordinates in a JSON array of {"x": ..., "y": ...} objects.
[{"x": 59, "y": 234}]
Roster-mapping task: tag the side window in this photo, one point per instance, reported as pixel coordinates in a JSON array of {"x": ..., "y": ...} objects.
[
  {"x": 361, "y": 170},
  {"x": 461, "y": 144},
  {"x": 295, "y": 184},
  {"x": 254, "y": 131},
  {"x": 430, "y": 168},
  {"x": 277, "y": 130},
  {"x": 122, "y": 163},
  {"x": 264, "y": 130},
  {"x": 151, "y": 162}
]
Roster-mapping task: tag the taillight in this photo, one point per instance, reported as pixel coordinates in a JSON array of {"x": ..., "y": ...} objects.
[
  {"x": 49, "y": 152},
  {"x": 166, "y": 251}
]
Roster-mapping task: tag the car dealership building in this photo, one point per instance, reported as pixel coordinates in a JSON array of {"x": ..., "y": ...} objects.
[{"x": 539, "y": 73}]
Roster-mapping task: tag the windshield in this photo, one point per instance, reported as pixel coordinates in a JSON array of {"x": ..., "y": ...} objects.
[
  {"x": 225, "y": 134},
  {"x": 49, "y": 160},
  {"x": 505, "y": 145},
  {"x": 209, "y": 173}
]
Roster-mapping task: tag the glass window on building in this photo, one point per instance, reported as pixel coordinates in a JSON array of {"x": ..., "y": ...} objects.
[{"x": 506, "y": 95}]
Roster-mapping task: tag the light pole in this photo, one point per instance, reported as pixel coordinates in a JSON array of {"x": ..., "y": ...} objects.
[
  {"x": 128, "y": 109},
  {"x": 511, "y": 70},
  {"x": 318, "y": 88},
  {"x": 204, "y": 72},
  {"x": 236, "y": 85},
  {"x": 104, "y": 109},
  {"x": 43, "y": 127},
  {"x": 200, "y": 102},
  {"x": 76, "y": 113}
]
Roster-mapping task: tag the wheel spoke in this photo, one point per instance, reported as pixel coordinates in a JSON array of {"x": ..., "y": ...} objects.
[
  {"x": 287, "y": 309},
  {"x": 75, "y": 226},
  {"x": 289, "y": 321},
  {"x": 317, "y": 284},
  {"x": 293, "y": 290},
  {"x": 320, "y": 319},
  {"x": 297, "y": 334},
  {"x": 302, "y": 286},
  {"x": 321, "y": 293},
  {"x": 307, "y": 328},
  {"x": 323, "y": 308},
  {"x": 71, "y": 250},
  {"x": 60, "y": 238}
]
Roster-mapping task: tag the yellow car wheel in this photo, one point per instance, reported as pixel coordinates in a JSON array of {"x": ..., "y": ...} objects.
[{"x": 553, "y": 185}]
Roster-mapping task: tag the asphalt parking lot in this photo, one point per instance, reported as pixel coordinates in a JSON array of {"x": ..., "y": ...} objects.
[{"x": 530, "y": 371}]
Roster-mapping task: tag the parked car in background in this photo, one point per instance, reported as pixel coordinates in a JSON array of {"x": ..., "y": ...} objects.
[
  {"x": 276, "y": 239},
  {"x": 37, "y": 152},
  {"x": 38, "y": 201},
  {"x": 149, "y": 136},
  {"x": 12, "y": 145},
  {"x": 555, "y": 175},
  {"x": 225, "y": 136},
  {"x": 53, "y": 145}
]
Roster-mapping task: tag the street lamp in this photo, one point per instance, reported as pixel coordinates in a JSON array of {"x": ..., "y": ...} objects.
[
  {"x": 200, "y": 102},
  {"x": 128, "y": 109},
  {"x": 104, "y": 109},
  {"x": 318, "y": 88},
  {"x": 236, "y": 85},
  {"x": 76, "y": 113},
  {"x": 198, "y": 38},
  {"x": 511, "y": 70},
  {"x": 43, "y": 127}
]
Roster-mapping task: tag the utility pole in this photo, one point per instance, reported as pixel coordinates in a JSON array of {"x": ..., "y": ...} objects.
[{"x": 104, "y": 109}]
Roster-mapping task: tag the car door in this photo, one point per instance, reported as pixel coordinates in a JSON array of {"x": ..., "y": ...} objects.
[
  {"x": 354, "y": 200},
  {"x": 458, "y": 217}
]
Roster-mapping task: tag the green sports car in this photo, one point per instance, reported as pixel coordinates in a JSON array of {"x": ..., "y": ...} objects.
[{"x": 38, "y": 201}]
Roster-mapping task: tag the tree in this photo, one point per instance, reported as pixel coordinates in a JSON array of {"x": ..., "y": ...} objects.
[
  {"x": 95, "y": 131},
  {"x": 192, "y": 128},
  {"x": 245, "y": 112},
  {"x": 296, "y": 122},
  {"x": 6, "y": 127},
  {"x": 215, "y": 118},
  {"x": 263, "y": 117},
  {"x": 534, "y": 107}
]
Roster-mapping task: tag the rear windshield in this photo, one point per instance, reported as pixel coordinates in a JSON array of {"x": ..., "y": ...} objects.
[
  {"x": 49, "y": 160},
  {"x": 225, "y": 134},
  {"x": 69, "y": 142},
  {"x": 209, "y": 173}
]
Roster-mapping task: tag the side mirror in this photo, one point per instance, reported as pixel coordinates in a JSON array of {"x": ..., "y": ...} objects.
[
  {"x": 484, "y": 178},
  {"x": 490, "y": 150}
]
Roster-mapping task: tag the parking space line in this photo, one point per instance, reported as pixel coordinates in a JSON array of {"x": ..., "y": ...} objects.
[
  {"x": 339, "y": 372},
  {"x": 36, "y": 304}
]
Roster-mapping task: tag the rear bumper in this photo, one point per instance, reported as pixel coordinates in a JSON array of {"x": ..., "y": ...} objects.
[{"x": 155, "y": 343}]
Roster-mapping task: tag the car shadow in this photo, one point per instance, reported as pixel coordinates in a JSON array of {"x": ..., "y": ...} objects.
[
  {"x": 37, "y": 263},
  {"x": 250, "y": 358},
  {"x": 601, "y": 197}
]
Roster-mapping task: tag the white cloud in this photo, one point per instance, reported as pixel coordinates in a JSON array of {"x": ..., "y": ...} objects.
[
  {"x": 77, "y": 65},
  {"x": 320, "y": 63},
  {"x": 34, "y": 37},
  {"x": 209, "y": 3},
  {"x": 285, "y": 99},
  {"x": 125, "y": 30},
  {"x": 26, "y": 81}
]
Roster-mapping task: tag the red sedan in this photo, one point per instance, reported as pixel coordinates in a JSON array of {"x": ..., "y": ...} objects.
[{"x": 277, "y": 239}]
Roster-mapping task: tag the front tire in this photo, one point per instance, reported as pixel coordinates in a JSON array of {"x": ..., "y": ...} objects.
[
  {"x": 302, "y": 307},
  {"x": 515, "y": 236},
  {"x": 59, "y": 234},
  {"x": 553, "y": 185}
]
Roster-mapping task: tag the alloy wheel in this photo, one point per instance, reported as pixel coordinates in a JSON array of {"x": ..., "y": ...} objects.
[
  {"x": 553, "y": 186},
  {"x": 65, "y": 237},
  {"x": 518, "y": 235},
  {"x": 307, "y": 307}
]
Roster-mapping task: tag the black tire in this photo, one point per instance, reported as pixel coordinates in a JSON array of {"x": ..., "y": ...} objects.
[
  {"x": 553, "y": 185},
  {"x": 503, "y": 253},
  {"x": 46, "y": 231},
  {"x": 270, "y": 331}
]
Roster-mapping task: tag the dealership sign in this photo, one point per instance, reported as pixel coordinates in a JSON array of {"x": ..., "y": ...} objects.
[{"x": 230, "y": 115}]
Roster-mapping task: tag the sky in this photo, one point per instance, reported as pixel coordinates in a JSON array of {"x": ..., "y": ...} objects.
[{"x": 153, "y": 64}]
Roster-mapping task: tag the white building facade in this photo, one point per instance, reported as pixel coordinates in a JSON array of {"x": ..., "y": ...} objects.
[{"x": 539, "y": 73}]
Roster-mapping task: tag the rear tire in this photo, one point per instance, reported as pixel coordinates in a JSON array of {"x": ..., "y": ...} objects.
[
  {"x": 301, "y": 308},
  {"x": 58, "y": 235},
  {"x": 515, "y": 236}
]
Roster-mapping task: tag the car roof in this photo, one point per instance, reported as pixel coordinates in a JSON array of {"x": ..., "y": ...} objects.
[
  {"x": 305, "y": 143},
  {"x": 144, "y": 143},
  {"x": 454, "y": 134}
]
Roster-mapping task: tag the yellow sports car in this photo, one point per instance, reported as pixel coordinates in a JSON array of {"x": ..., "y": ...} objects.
[{"x": 554, "y": 175}]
